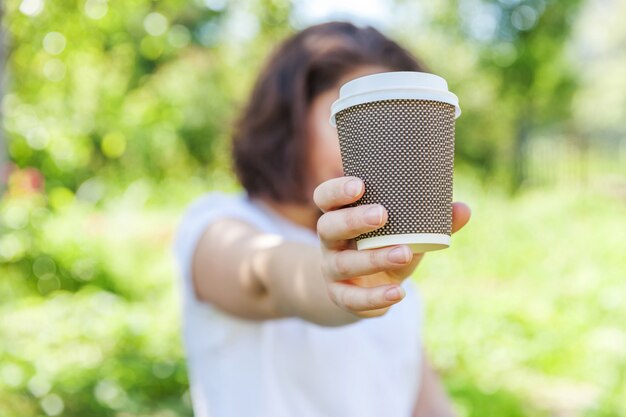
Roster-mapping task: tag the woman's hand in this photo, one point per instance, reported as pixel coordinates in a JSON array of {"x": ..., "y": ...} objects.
[{"x": 364, "y": 283}]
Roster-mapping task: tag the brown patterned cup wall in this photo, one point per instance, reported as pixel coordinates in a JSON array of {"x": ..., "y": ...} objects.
[{"x": 403, "y": 150}]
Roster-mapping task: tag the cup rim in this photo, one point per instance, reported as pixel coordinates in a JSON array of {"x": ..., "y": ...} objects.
[{"x": 394, "y": 85}]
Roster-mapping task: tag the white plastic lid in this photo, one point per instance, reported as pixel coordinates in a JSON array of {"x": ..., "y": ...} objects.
[{"x": 394, "y": 85}]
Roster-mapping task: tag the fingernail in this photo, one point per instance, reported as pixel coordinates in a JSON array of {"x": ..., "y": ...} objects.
[
  {"x": 353, "y": 188},
  {"x": 399, "y": 255},
  {"x": 374, "y": 215},
  {"x": 395, "y": 293}
]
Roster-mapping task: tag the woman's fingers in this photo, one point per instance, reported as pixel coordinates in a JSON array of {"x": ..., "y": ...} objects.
[
  {"x": 461, "y": 214},
  {"x": 365, "y": 302},
  {"x": 338, "y": 192},
  {"x": 336, "y": 226},
  {"x": 407, "y": 270},
  {"x": 344, "y": 264}
]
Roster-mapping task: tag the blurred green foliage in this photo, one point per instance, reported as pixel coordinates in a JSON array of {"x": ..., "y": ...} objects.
[
  {"x": 111, "y": 346},
  {"x": 524, "y": 314},
  {"x": 117, "y": 113},
  {"x": 108, "y": 90}
]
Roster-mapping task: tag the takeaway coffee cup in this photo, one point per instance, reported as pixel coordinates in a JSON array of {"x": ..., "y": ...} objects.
[{"x": 396, "y": 133}]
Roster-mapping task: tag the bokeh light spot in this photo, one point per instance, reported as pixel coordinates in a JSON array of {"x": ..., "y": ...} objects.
[
  {"x": 523, "y": 17},
  {"x": 11, "y": 247},
  {"x": 15, "y": 216},
  {"x": 52, "y": 405},
  {"x": 11, "y": 375},
  {"x": 110, "y": 393},
  {"x": 60, "y": 197},
  {"x": 242, "y": 25},
  {"x": 215, "y": 5},
  {"x": 48, "y": 285},
  {"x": 151, "y": 47},
  {"x": 54, "y": 70},
  {"x": 155, "y": 24},
  {"x": 89, "y": 356},
  {"x": 113, "y": 145},
  {"x": 37, "y": 137},
  {"x": 31, "y": 7},
  {"x": 39, "y": 386},
  {"x": 480, "y": 19},
  {"x": 178, "y": 36},
  {"x": 208, "y": 33},
  {"x": 44, "y": 267},
  {"x": 91, "y": 191},
  {"x": 83, "y": 269},
  {"x": 96, "y": 9},
  {"x": 54, "y": 43}
]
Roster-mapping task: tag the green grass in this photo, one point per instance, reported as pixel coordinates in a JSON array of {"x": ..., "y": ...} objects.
[{"x": 525, "y": 312}]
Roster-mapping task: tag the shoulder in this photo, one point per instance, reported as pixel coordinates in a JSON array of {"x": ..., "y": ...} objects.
[
  {"x": 200, "y": 214},
  {"x": 209, "y": 208}
]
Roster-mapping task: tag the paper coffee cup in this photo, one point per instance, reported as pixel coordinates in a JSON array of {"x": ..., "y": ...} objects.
[{"x": 396, "y": 133}]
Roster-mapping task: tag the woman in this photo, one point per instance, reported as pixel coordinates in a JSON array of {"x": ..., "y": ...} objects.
[{"x": 282, "y": 316}]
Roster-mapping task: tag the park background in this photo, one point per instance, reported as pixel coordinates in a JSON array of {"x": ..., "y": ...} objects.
[{"x": 116, "y": 114}]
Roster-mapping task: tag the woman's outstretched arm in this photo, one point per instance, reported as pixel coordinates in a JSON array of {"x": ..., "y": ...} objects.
[{"x": 259, "y": 276}]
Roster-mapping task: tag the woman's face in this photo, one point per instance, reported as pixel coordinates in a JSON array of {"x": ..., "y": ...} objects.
[{"x": 325, "y": 158}]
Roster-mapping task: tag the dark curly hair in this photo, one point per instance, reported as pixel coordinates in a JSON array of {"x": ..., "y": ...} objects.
[{"x": 270, "y": 140}]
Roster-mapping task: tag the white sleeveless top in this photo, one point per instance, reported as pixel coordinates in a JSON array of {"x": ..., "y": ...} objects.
[{"x": 290, "y": 367}]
